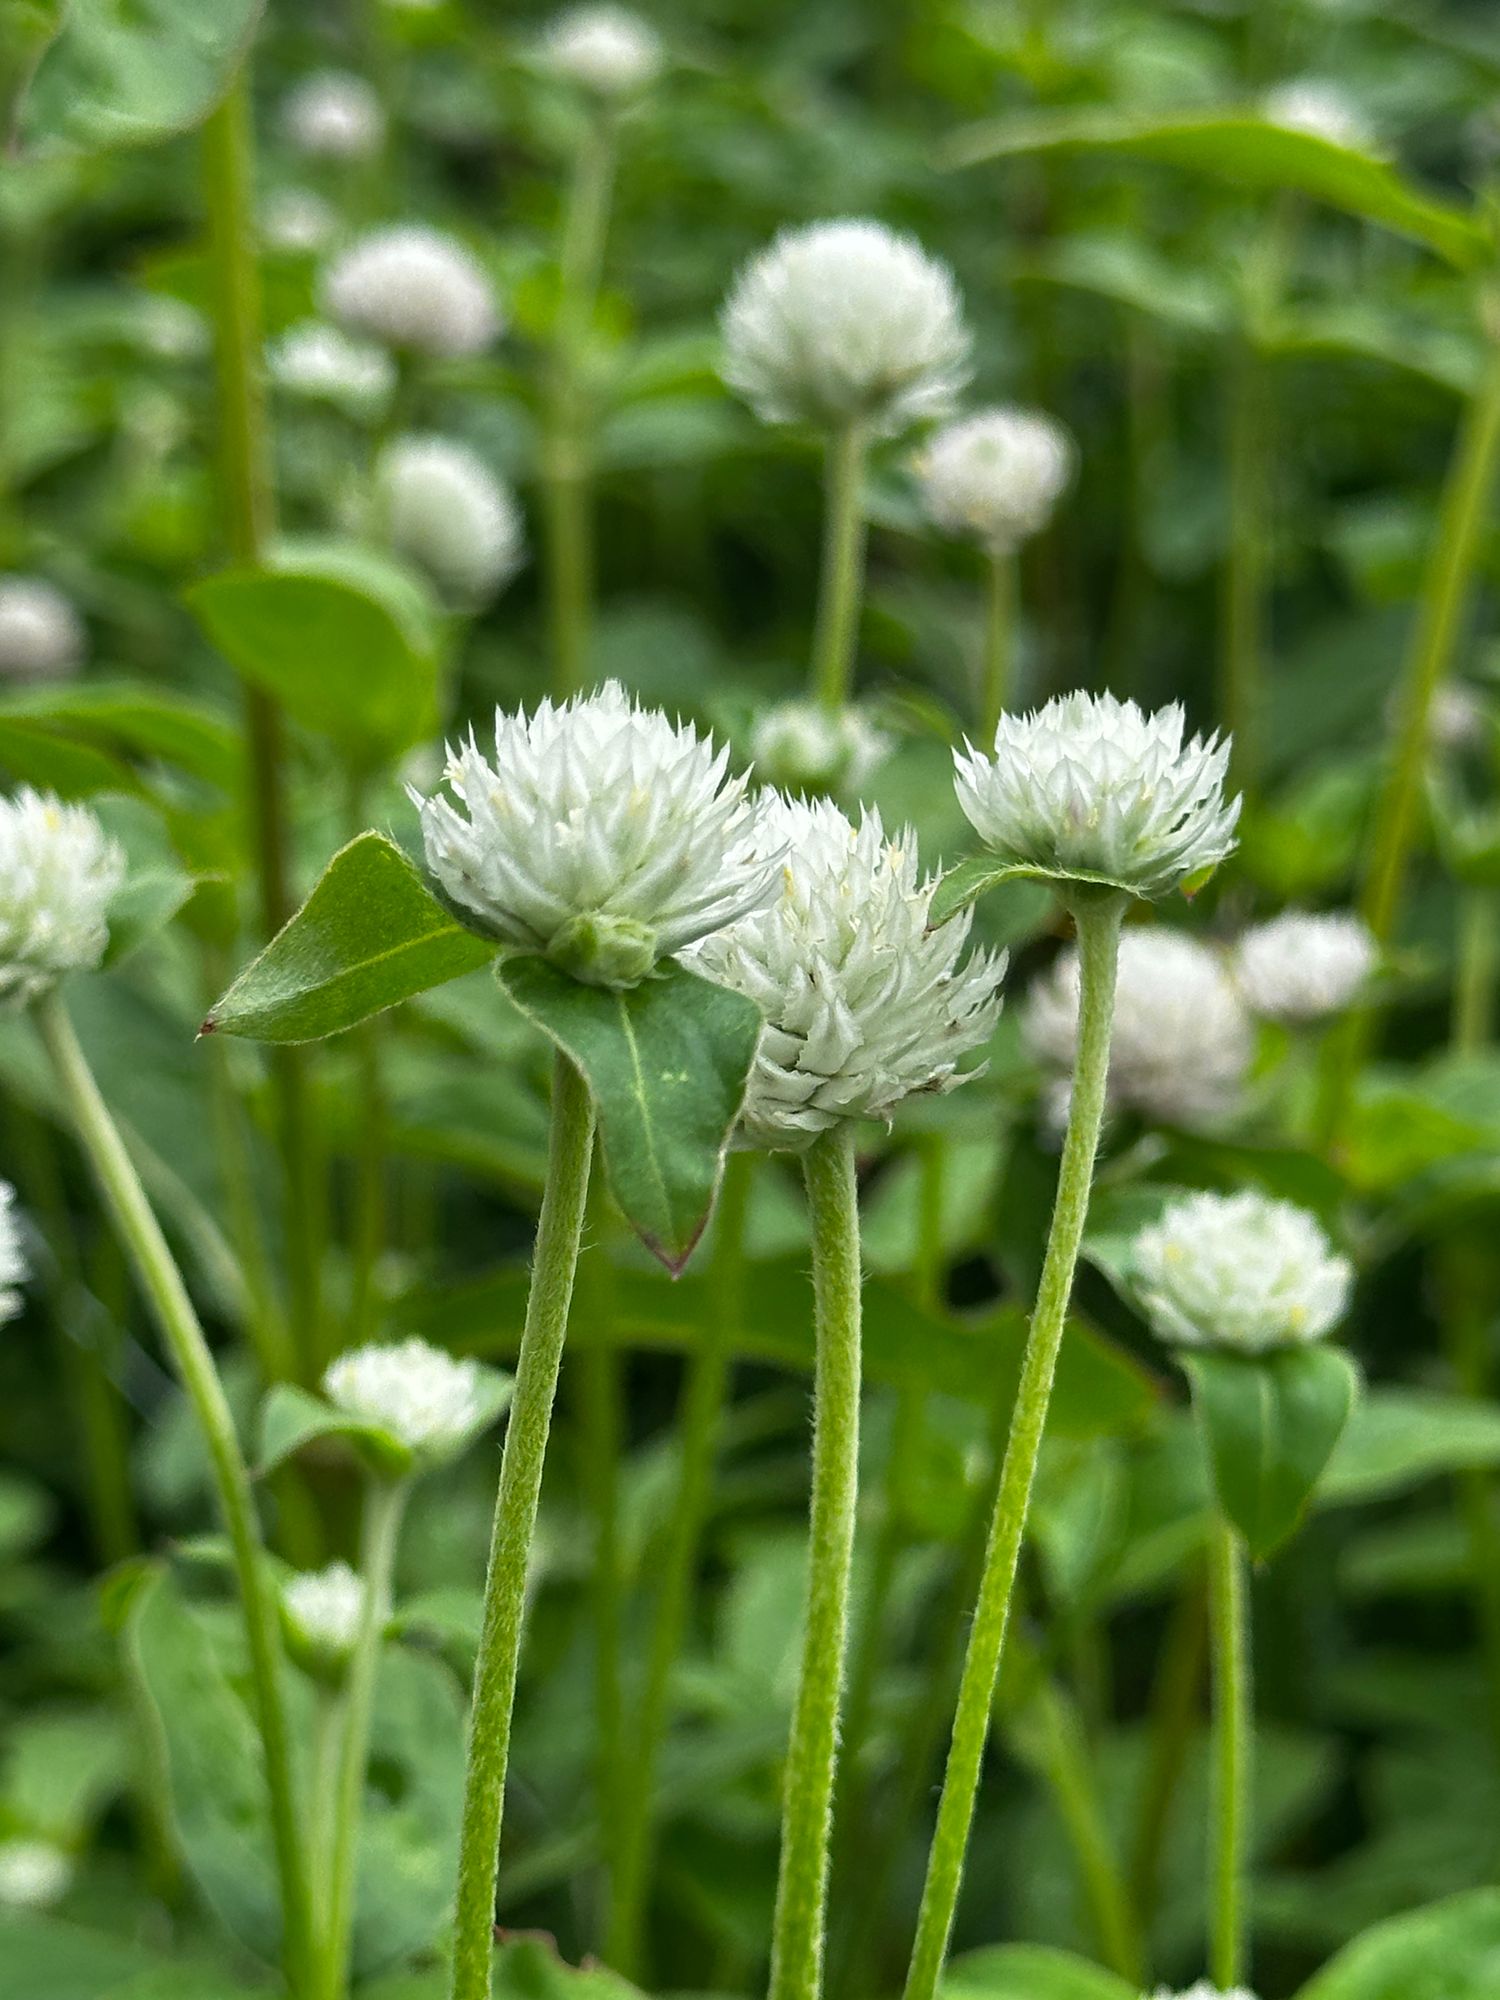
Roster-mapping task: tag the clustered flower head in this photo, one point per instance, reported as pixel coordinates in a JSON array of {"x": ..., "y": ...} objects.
[
  {"x": 604, "y": 836},
  {"x": 14, "y": 1270},
  {"x": 414, "y": 288},
  {"x": 845, "y": 322},
  {"x": 41, "y": 635},
  {"x": 1239, "y": 1271},
  {"x": 323, "y": 1609},
  {"x": 1311, "y": 104},
  {"x": 1204, "y": 1990},
  {"x": 439, "y": 504},
  {"x": 428, "y": 1400},
  {"x": 1091, "y": 788},
  {"x": 1181, "y": 1042},
  {"x": 297, "y": 219},
  {"x": 606, "y": 50},
  {"x": 800, "y": 746},
  {"x": 864, "y": 1005},
  {"x": 34, "y": 1874},
  {"x": 995, "y": 476},
  {"x": 334, "y": 116},
  {"x": 1303, "y": 967},
  {"x": 59, "y": 872},
  {"x": 319, "y": 362}
]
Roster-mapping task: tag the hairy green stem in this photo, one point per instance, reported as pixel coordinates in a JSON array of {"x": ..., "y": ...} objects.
[
  {"x": 841, "y": 580},
  {"x": 998, "y": 667},
  {"x": 1232, "y": 1725}
]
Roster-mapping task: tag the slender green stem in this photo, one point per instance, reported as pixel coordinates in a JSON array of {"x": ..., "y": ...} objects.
[
  {"x": 841, "y": 582},
  {"x": 1064, "y": 1751},
  {"x": 1478, "y": 969},
  {"x": 1098, "y": 920},
  {"x": 699, "y": 1428},
  {"x": 1229, "y": 1626},
  {"x": 997, "y": 671},
  {"x": 807, "y": 1799},
  {"x": 554, "y": 1262},
  {"x": 1242, "y": 617},
  {"x": 161, "y": 1281}
]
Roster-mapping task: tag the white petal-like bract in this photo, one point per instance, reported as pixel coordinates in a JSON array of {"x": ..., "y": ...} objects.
[
  {"x": 34, "y": 1874},
  {"x": 334, "y": 115},
  {"x": 439, "y": 503},
  {"x": 995, "y": 476},
  {"x": 415, "y": 288},
  {"x": 59, "y": 872},
  {"x": 1204, "y": 1990},
  {"x": 1303, "y": 966},
  {"x": 800, "y": 746},
  {"x": 316, "y": 360},
  {"x": 14, "y": 1270},
  {"x": 1238, "y": 1270},
  {"x": 323, "y": 1608},
  {"x": 607, "y": 50},
  {"x": 297, "y": 219},
  {"x": 41, "y": 635},
  {"x": 427, "y": 1399}
]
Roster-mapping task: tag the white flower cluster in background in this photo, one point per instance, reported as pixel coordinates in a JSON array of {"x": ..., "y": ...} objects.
[
  {"x": 59, "y": 872},
  {"x": 606, "y": 50},
  {"x": 1239, "y": 1271},
  {"x": 428, "y": 1400},
  {"x": 1181, "y": 1043},
  {"x": 414, "y": 288},
  {"x": 323, "y": 1608},
  {"x": 801, "y": 746},
  {"x": 34, "y": 1874},
  {"x": 41, "y": 635},
  {"x": 1090, "y": 786},
  {"x": 1304, "y": 967},
  {"x": 14, "y": 1270},
  {"x": 1312, "y": 104},
  {"x": 864, "y": 1005},
  {"x": 297, "y": 219},
  {"x": 995, "y": 476},
  {"x": 335, "y": 116},
  {"x": 604, "y": 836},
  {"x": 315, "y": 360},
  {"x": 439, "y": 504},
  {"x": 1203, "y": 1990},
  {"x": 845, "y": 322}
]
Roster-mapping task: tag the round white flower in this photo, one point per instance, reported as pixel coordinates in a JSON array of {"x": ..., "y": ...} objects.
[
  {"x": 607, "y": 50},
  {"x": 1302, "y": 967},
  {"x": 319, "y": 362},
  {"x": 41, "y": 635},
  {"x": 34, "y": 1874},
  {"x": 843, "y": 322},
  {"x": 864, "y": 1005},
  {"x": 59, "y": 872},
  {"x": 1181, "y": 1042},
  {"x": 334, "y": 116},
  {"x": 428, "y": 1400},
  {"x": 297, "y": 219},
  {"x": 1310, "y": 104},
  {"x": 995, "y": 476},
  {"x": 800, "y": 746},
  {"x": 414, "y": 288},
  {"x": 439, "y": 503},
  {"x": 323, "y": 1608},
  {"x": 1240, "y": 1271},
  {"x": 14, "y": 1270},
  {"x": 1456, "y": 717},
  {"x": 604, "y": 836},
  {"x": 1090, "y": 788},
  {"x": 1205, "y": 1990}
]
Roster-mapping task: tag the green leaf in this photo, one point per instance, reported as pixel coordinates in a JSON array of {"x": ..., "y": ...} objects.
[
  {"x": 130, "y": 72},
  {"x": 968, "y": 880},
  {"x": 529, "y": 1968},
  {"x": 291, "y": 1419},
  {"x": 44, "y": 1958},
  {"x": 1030, "y": 1972},
  {"x": 1271, "y": 1422},
  {"x": 370, "y": 934},
  {"x": 139, "y": 720},
  {"x": 1450, "y": 1951},
  {"x": 666, "y": 1064},
  {"x": 155, "y": 887},
  {"x": 33, "y": 753},
  {"x": 1399, "y": 1437},
  {"x": 1248, "y": 152}
]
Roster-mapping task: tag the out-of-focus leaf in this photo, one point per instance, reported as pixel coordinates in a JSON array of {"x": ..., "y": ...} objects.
[
  {"x": 1126, "y": 269},
  {"x": 530, "y": 1969},
  {"x": 1398, "y": 1437},
  {"x": 1448, "y": 1952},
  {"x": 37, "y": 754},
  {"x": 292, "y": 1419},
  {"x": 155, "y": 887},
  {"x": 119, "y": 716},
  {"x": 1030, "y": 1972}
]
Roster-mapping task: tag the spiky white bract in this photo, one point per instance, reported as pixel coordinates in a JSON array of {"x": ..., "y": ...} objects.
[
  {"x": 322, "y": 1609},
  {"x": 334, "y": 115},
  {"x": 995, "y": 476},
  {"x": 1091, "y": 788},
  {"x": 799, "y": 746},
  {"x": 606, "y": 50},
  {"x": 845, "y": 322},
  {"x": 439, "y": 503},
  {"x": 34, "y": 1874},
  {"x": 297, "y": 219},
  {"x": 604, "y": 836},
  {"x": 414, "y": 288},
  {"x": 428, "y": 1400},
  {"x": 1312, "y": 104},
  {"x": 59, "y": 872},
  {"x": 41, "y": 635},
  {"x": 864, "y": 1005},
  {"x": 14, "y": 1270},
  {"x": 1204, "y": 1990},
  {"x": 1238, "y": 1271},
  {"x": 320, "y": 362},
  {"x": 1181, "y": 1042},
  {"x": 1303, "y": 966}
]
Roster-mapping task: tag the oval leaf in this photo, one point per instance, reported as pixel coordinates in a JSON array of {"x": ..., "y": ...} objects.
[
  {"x": 1031, "y": 1972},
  {"x": 968, "y": 880},
  {"x": 1449, "y": 1951}
]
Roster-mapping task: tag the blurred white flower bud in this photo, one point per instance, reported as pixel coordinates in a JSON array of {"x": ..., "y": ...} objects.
[
  {"x": 606, "y": 50},
  {"x": 318, "y": 362},
  {"x": 34, "y": 1874},
  {"x": 428, "y": 1400},
  {"x": 1303, "y": 967},
  {"x": 59, "y": 872},
  {"x": 800, "y": 746},
  {"x": 439, "y": 504},
  {"x": 334, "y": 116},
  {"x": 1239, "y": 1271},
  {"x": 1204, "y": 1990},
  {"x": 1312, "y": 104},
  {"x": 41, "y": 635},
  {"x": 14, "y": 1270},
  {"x": 297, "y": 219},
  {"x": 415, "y": 288},
  {"x": 322, "y": 1611},
  {"x": 996, "y": 476}
]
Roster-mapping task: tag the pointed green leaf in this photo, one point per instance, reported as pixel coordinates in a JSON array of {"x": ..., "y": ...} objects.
[
  {"x": 1448, "y": 1951},
  {"x": 1031, "y": 1972},
  {"x": 291, "y": 1418},
  {"x": 370, "y": 934},
  {"x": 666, "y": 1064},
  {"x": 1271, "y": 1422},
  {"x": 129, "y": 717},
  {"x": 968, "y": 880}
]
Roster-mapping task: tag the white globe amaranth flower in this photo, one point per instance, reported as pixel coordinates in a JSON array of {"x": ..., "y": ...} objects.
[
  {"x": 14, "y": 1270},
  {"x": 59, "y": 872},
  {"x": 41, "y": 635},
  {"x": 995, "y": 476},
  {"x": 607, "y": 50},
  {"x": 604, "y": 836},
  {"x": 845, "y": 322},
  {"x": 864, "y": 1005},
  {"x": 438, "y": 503},
  {"x": 1181, "y": 1043},
  {"x": 320, "y": 362},
  {"x": 1204, "y": 1990},
  {"x": 1301, "y": 966},
  {"x": 1239, "y": 1271},
  {"x": 34, "y": 1874},
  {"x": 322, "y": 1609},
  {"x": 800, "y": 746},
  {"x": 414, "y": 288},
  {"x": 297, "y": 219},
  {"x": 1456, "y": 717},
  {"x": 428, "y": 1400},
  {"x": 334, "y": 115},
  {"x": 1092, "y": 789},
  {"x": 1312, "y": 104}
]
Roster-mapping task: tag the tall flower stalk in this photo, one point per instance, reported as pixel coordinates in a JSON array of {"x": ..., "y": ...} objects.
[
  {"x": 842, "y": 573},
  {"x": 1233, "y": 1737}
]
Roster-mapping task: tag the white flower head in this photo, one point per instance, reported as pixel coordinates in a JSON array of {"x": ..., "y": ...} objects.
[
  {"x": 1456, "y": 717},
  {"x": 799, "y": 746},
  {"x": 430, "y": 1401},
  {"x": 1312, "y": 104},
  {"x": 1181, "y": 1043},
  {"x": 297, "y": 219},
  {"x": 995, "y": 476},
  {"x": 864, "y": 1005},
  {"x": 41, "y": 635},
  {"x": 439, "y": 503},
  {"x": 34, "y": 1874},
  {"x": 414, "y": 288},
  {"x": 606, "y": 50},
  {"x": 1205, "y": 1990},
  {"x": 604, "y": 836},
  {"x": 315, "y": 360},
  {"x": 14, "y": 1270},
  {"x": 1240, "y": 1271},
  {"x": 334, "y": 116},
  {"x": 845, "y": 321},
  {"x": 1091, "y": 788},
  {"x": 59, "y": 872},
  {"x": 322, "y": 1609},
  {"x": 1303, "y": 967}
]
